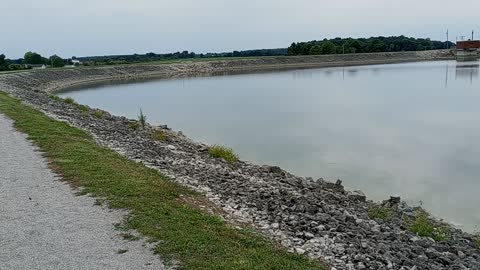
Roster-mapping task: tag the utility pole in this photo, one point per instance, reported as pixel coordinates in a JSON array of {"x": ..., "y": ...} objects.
[
  {"x": 446, "y": 45},
  {"x": 472, "y": 34}
]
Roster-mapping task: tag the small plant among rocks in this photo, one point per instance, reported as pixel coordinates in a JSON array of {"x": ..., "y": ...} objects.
[
  {"x": 218, "y": 151},
  {"x": 476, "y": 238},
  {"x": 98, "y": 113},
  {"x": 69, "y": 100},
  {"x": 56, "y": 98},
  {"x": 159, "y": 135},
  {"x": 129, "y": 237},
  {"x": 142, "y": 119},
  {"x": 134, "y": 125},
  {"x": 82, "y": 108},
  {"x": 380, "y": 212},
  {"x": 423, "y": 226}
]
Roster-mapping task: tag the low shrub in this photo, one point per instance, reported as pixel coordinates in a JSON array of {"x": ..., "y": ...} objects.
[
  {"x": 218, "y": 151},
  {"x": 380, "y": 212},
  {"x": 423, "y": 226}
]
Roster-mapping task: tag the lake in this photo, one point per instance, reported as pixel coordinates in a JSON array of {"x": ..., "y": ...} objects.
[{"x": 409, "y": 130}]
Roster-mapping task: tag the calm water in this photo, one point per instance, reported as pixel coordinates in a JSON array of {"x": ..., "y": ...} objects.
[{"x": 406, "y": 129}]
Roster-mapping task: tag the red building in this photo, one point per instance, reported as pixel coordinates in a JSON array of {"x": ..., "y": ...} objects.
[{"x": 467, "y": 45}]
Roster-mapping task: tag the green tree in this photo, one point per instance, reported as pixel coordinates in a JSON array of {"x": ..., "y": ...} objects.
[
  {"x": 3, "y": 63},
  {"x": 316, "y": 50},
  {"x": 33, "y": 58},
  {"x": 328, "y": 47},
  {"x": 56, "y": 61}
]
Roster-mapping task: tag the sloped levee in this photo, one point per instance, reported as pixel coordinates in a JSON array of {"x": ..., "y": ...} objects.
[
  {"x": 312, "y": 217},
  {"x": 54, "y": 80}
]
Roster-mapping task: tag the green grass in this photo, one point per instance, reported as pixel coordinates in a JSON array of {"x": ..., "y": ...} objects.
[
  {"x": 423, "y": 226},
  {"x": 159, "y": 135},
  {"x": 158, "y": 207},
  {"x": 219, "y": 151},
  {"x": 379, "y": 212}
]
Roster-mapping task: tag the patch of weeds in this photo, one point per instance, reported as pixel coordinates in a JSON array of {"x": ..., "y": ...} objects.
[
  {"x": 159, "y": 135},
  {"x": 99, "y": 201},
  {"x": 82, "y": 108},
  {"x": 121, "y": 227},
  {"x": 56, "y": 98},
  {"x": 98, "y": 114},
  {"x": 423, "y": 226},
  {"x": 142, "y": 119},
  {"x": 219, "y": 151},
  {"x": 69, "y": 100},
  {"x": 134, "y": 125},
  {"x": 476, "y": 239},
  {"x": 122, "y": 251},
  {"x": 129, "y": 237},
  {"x": 380, "y": 212}
]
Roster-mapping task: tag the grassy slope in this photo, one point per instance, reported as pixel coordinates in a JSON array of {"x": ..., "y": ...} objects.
[{"x": 198, "y": 240}]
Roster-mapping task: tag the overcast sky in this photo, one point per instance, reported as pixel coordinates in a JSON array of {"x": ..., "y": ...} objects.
[{"x": 102, "y": 27}]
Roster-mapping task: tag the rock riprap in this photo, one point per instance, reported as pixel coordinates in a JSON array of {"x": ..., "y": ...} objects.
[{"x": 313, "y": 217}]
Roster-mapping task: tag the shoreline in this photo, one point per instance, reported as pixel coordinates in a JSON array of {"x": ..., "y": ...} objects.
[
  {"x": 311, "y": 217},
  {"x": 75, "y": 78}
]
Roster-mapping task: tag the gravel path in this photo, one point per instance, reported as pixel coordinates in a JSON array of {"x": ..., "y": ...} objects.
[{"x": 43, "y": 225}]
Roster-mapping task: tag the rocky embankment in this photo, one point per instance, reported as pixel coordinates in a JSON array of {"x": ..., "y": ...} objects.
[
  {"x": 312, "y": 217},
  {"x": 53, "y": 80}
]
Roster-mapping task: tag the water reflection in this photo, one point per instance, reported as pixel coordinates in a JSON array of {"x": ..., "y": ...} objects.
[
  {"x": 467, "y": 71},
  {"x": 406, "y": 129}
]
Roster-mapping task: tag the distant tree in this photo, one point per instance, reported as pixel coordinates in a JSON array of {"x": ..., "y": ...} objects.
[
  {"x": 33, "y": 58},
  {"x": 328, "y": 47},
  {"x": 376, "y": 45},
  {"x": 3, "y": 63},
  {"x": 316, "y": 50},
  {"x": 56, "y": 61},
  {"x": 2, "y": 60}
]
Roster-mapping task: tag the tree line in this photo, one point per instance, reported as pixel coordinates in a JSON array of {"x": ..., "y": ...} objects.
[
  {"x": 326, "y": 46},
  {"x": 366, "y": 45},
  {"x": 153, "y": 57},
  {"x": 30, "y": 60}
]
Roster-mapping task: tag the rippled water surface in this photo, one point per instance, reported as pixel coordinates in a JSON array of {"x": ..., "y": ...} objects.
[{"x": 405, "y": 129}]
